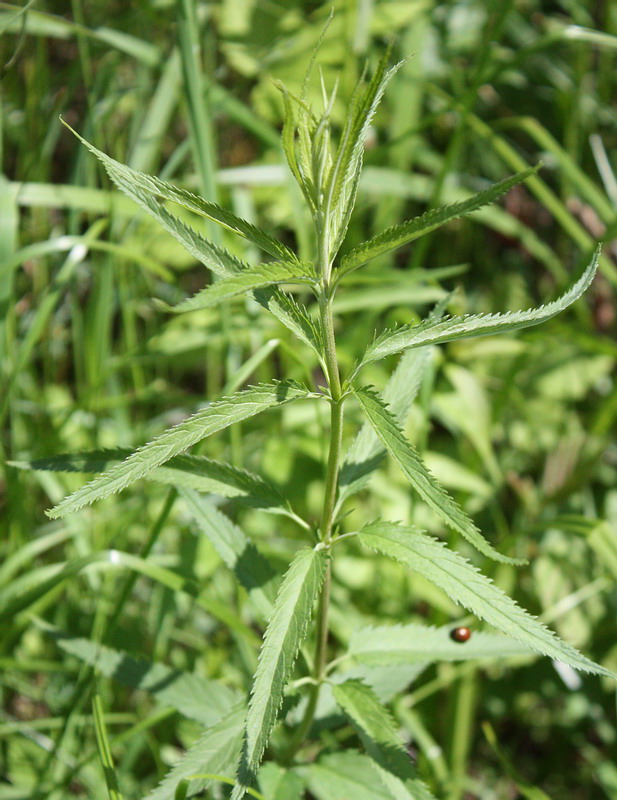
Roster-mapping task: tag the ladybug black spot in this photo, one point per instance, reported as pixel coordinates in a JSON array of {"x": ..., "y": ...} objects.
[{"x": 460, "y": 634}]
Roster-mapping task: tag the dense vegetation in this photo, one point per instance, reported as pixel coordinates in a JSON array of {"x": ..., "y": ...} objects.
[{"x": 124, "y": 630}]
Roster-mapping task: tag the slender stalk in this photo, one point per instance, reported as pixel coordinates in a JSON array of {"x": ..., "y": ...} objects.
[{"x": 327, "y": 519}]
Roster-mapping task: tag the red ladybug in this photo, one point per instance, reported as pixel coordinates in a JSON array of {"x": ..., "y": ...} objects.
[{"x": 461, "y": 634}]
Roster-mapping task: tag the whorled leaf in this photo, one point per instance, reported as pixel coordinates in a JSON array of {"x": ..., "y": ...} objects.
[
  {"x": 284, "y": 635},
  {"x": 215, "y": 417},
  {"x": 447, "y": 330},
  {"x": 430, "y": 490},
  {"x": 398, "y": 235},
  {"x": 466, "y": 585}
]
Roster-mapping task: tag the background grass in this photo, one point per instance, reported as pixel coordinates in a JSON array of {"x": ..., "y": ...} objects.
[{"x": 520, "y": 428}]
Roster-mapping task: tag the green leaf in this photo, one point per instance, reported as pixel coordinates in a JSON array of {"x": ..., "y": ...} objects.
[
  {"x": 277, "y": 783},
  {"x": 367, "y": 451},
  {"x": 215, "y": 417},
  {"x": 251, "y": 568},
  {"x": 344, "y": 176},
  {"x": 430, "y": 490},
  {"x": 398, "y": 235},
  {"x": 447, "y": 330},
  {"x": 346, "y": 774},
  {"x": 466, "y": 585},
  {"x": 256, "y": 277},
  {"x": 379, "y": 736},
  {"x": 293, "y": 316},
  {"x": 197, "y": 698},
  {"x": 104, "y": 749},
  {"x": 411, "y": 644},
  {"x": 128, "y": 180},
  {"x": 215, "y": 752},
  {"x": 200, "y": 473},
  {"x": 286, "y": 631}
]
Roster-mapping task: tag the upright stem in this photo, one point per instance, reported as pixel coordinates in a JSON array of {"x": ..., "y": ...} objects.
[{"x": 327, "y": 518}]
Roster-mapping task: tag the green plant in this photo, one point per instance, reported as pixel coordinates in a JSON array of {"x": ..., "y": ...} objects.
[{"x": 328, "y": 178}]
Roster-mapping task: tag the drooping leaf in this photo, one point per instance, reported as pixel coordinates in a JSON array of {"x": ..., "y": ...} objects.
[
  {"x": 254, "y": 277},
  {"x": 449, "y": 329},
  {"x": 200, "y": 699},
  {"x": 251, "y": 568},
  {"x": 344, "y": 176},
  {"x": 127, "y": 180},
  {"x": 215, "y": 752},
  {"x": 416, "y": 472},
  {"x": 215, "y": 417},
  {"x": 367, "y": 451},
  {"x": 466, "y": 585},
  {"x": 292, "y": 316},
  {"x": 379, "y": 736},
  {"x": 398, "y": 235},
  {"x": 410, "y": 644},
  {"x": 286, "y": 631}
]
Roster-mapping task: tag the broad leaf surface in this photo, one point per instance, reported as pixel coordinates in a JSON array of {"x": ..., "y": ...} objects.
[
  {"x": 464, "y": 584},
  {"x": 255, "y": 277},
  {"x": 378, "y": 732},
  {"x": 128, "y": 180},
  {"x": 251, "y": 568},
  {"x": 447, "y": 330},
  {"x": 286, "y": 631},
  {"x": 214, "y": 753},
  {"x": 346, "y": 774},
  {"x": 411, "y": 644},
  {"x": 215, "y": 417},
  {"x": 430, "y": 490},
  {"x": 402, "y": 234}
]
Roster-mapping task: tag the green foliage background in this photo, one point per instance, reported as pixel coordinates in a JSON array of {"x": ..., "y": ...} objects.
[{"x": 520, "y": 428}]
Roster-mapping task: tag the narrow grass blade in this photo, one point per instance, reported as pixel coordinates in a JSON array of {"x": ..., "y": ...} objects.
[
  {"x": 215, "y": 417},
  {"x": 127, "y": 180},
  {"x": 398, "y": 235},
  {"x": 430, "y": 490},
  {"x": 284, "y": 635},
  {"x": 104, "y": 748},
  {"x": 449, "y": 329},
  {"x": 378, "y": 732},
  {"x": 466, "y": 585},
  {"x": 257, "y": 277}
]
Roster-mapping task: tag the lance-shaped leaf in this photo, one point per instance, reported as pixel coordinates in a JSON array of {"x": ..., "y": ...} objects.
[
  {"x": 367, "y": 451},
  {"x": 214, "y": 753},
  {"x": 215, "y": 417},
  {"x": 294, "y": 317},
  {"x": 252, "y": 569},
  {"x": 379, "y": 736},
  {"x": 413, "y": 644},
  {"x": 439, "y": 331},
  {"x": 284, "y": 635},
  {"x": 398, "y": 235},
  {"x": 345, "y": 173},
  {"x": 415, "y": 470},
  {"x": 255, "y": 277},
  {"x": 466, "y": 585},
  {"x": 128, "y": 179}
]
